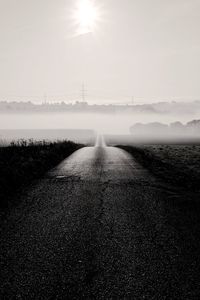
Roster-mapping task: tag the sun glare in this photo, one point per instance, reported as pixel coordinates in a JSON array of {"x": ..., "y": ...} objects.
[{"x": 86, "y": 16}]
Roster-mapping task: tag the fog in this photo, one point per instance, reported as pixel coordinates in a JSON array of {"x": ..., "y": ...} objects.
[{"x": 102, "y": 123}]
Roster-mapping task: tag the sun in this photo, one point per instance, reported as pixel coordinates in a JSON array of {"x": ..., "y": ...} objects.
[{"x": 86, "y": 16}]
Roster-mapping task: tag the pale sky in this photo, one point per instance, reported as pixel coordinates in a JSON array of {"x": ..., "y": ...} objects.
[{"x": 145, "y": 48}]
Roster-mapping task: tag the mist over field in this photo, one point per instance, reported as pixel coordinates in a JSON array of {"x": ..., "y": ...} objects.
[
  {"x": 104, "y": 119},
  {"x": 103, "y": 123}
]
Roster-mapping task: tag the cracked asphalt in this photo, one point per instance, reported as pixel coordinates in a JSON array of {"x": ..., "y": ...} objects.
[{"x": 99, "y": 226}]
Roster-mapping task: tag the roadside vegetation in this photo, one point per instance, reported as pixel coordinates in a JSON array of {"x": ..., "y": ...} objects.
[
  {"x": 176, "y": 164},
  {"x": 23, "y": 161}
]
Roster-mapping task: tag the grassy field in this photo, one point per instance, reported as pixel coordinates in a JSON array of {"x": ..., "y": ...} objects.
[
  {"x": 23, "y": 161},
  {"x": 176, "y": 164}
]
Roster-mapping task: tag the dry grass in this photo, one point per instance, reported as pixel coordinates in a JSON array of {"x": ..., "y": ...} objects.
[
  {"x": 24, "y": 161},
  {"x": 176, "y": 164},
  {"x": 182, "y": 156}
]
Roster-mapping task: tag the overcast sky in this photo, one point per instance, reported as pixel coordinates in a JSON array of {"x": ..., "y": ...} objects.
[{"x": 145, "y": 48}]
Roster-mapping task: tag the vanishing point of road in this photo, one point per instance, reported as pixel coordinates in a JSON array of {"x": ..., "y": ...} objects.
[{"x": 99, "y": 226}]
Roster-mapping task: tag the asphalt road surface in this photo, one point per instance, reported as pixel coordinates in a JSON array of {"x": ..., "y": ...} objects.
[{"x": 99, "y": 226}]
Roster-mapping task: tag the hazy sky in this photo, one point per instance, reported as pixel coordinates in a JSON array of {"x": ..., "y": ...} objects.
[{"x": 145, "y": 48}]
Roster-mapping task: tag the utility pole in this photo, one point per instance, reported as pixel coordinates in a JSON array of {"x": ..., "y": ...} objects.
[
  {"x": 83, "y": 93},
  {"x": 45, "y": 98}
]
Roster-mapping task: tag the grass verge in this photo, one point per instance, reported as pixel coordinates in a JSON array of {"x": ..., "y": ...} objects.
[
  {"x": 23, "y": 161},
  {"x": 177, "y": 165}
]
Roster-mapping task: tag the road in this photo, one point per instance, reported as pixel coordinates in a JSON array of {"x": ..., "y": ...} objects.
[{"x": 99, "y": 226}]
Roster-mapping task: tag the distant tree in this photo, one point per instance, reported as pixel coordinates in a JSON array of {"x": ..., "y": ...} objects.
[
  {"x": 193, "y": 126},
  {"x": 154, "y": 128},
  {"x": 176, "y": 125},
  {"x": 137, "y": 128},
  {"x": 157, "y": 125}
]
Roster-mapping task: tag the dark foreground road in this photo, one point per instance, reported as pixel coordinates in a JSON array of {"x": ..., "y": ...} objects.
[{"x": 100, "y": 227}]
